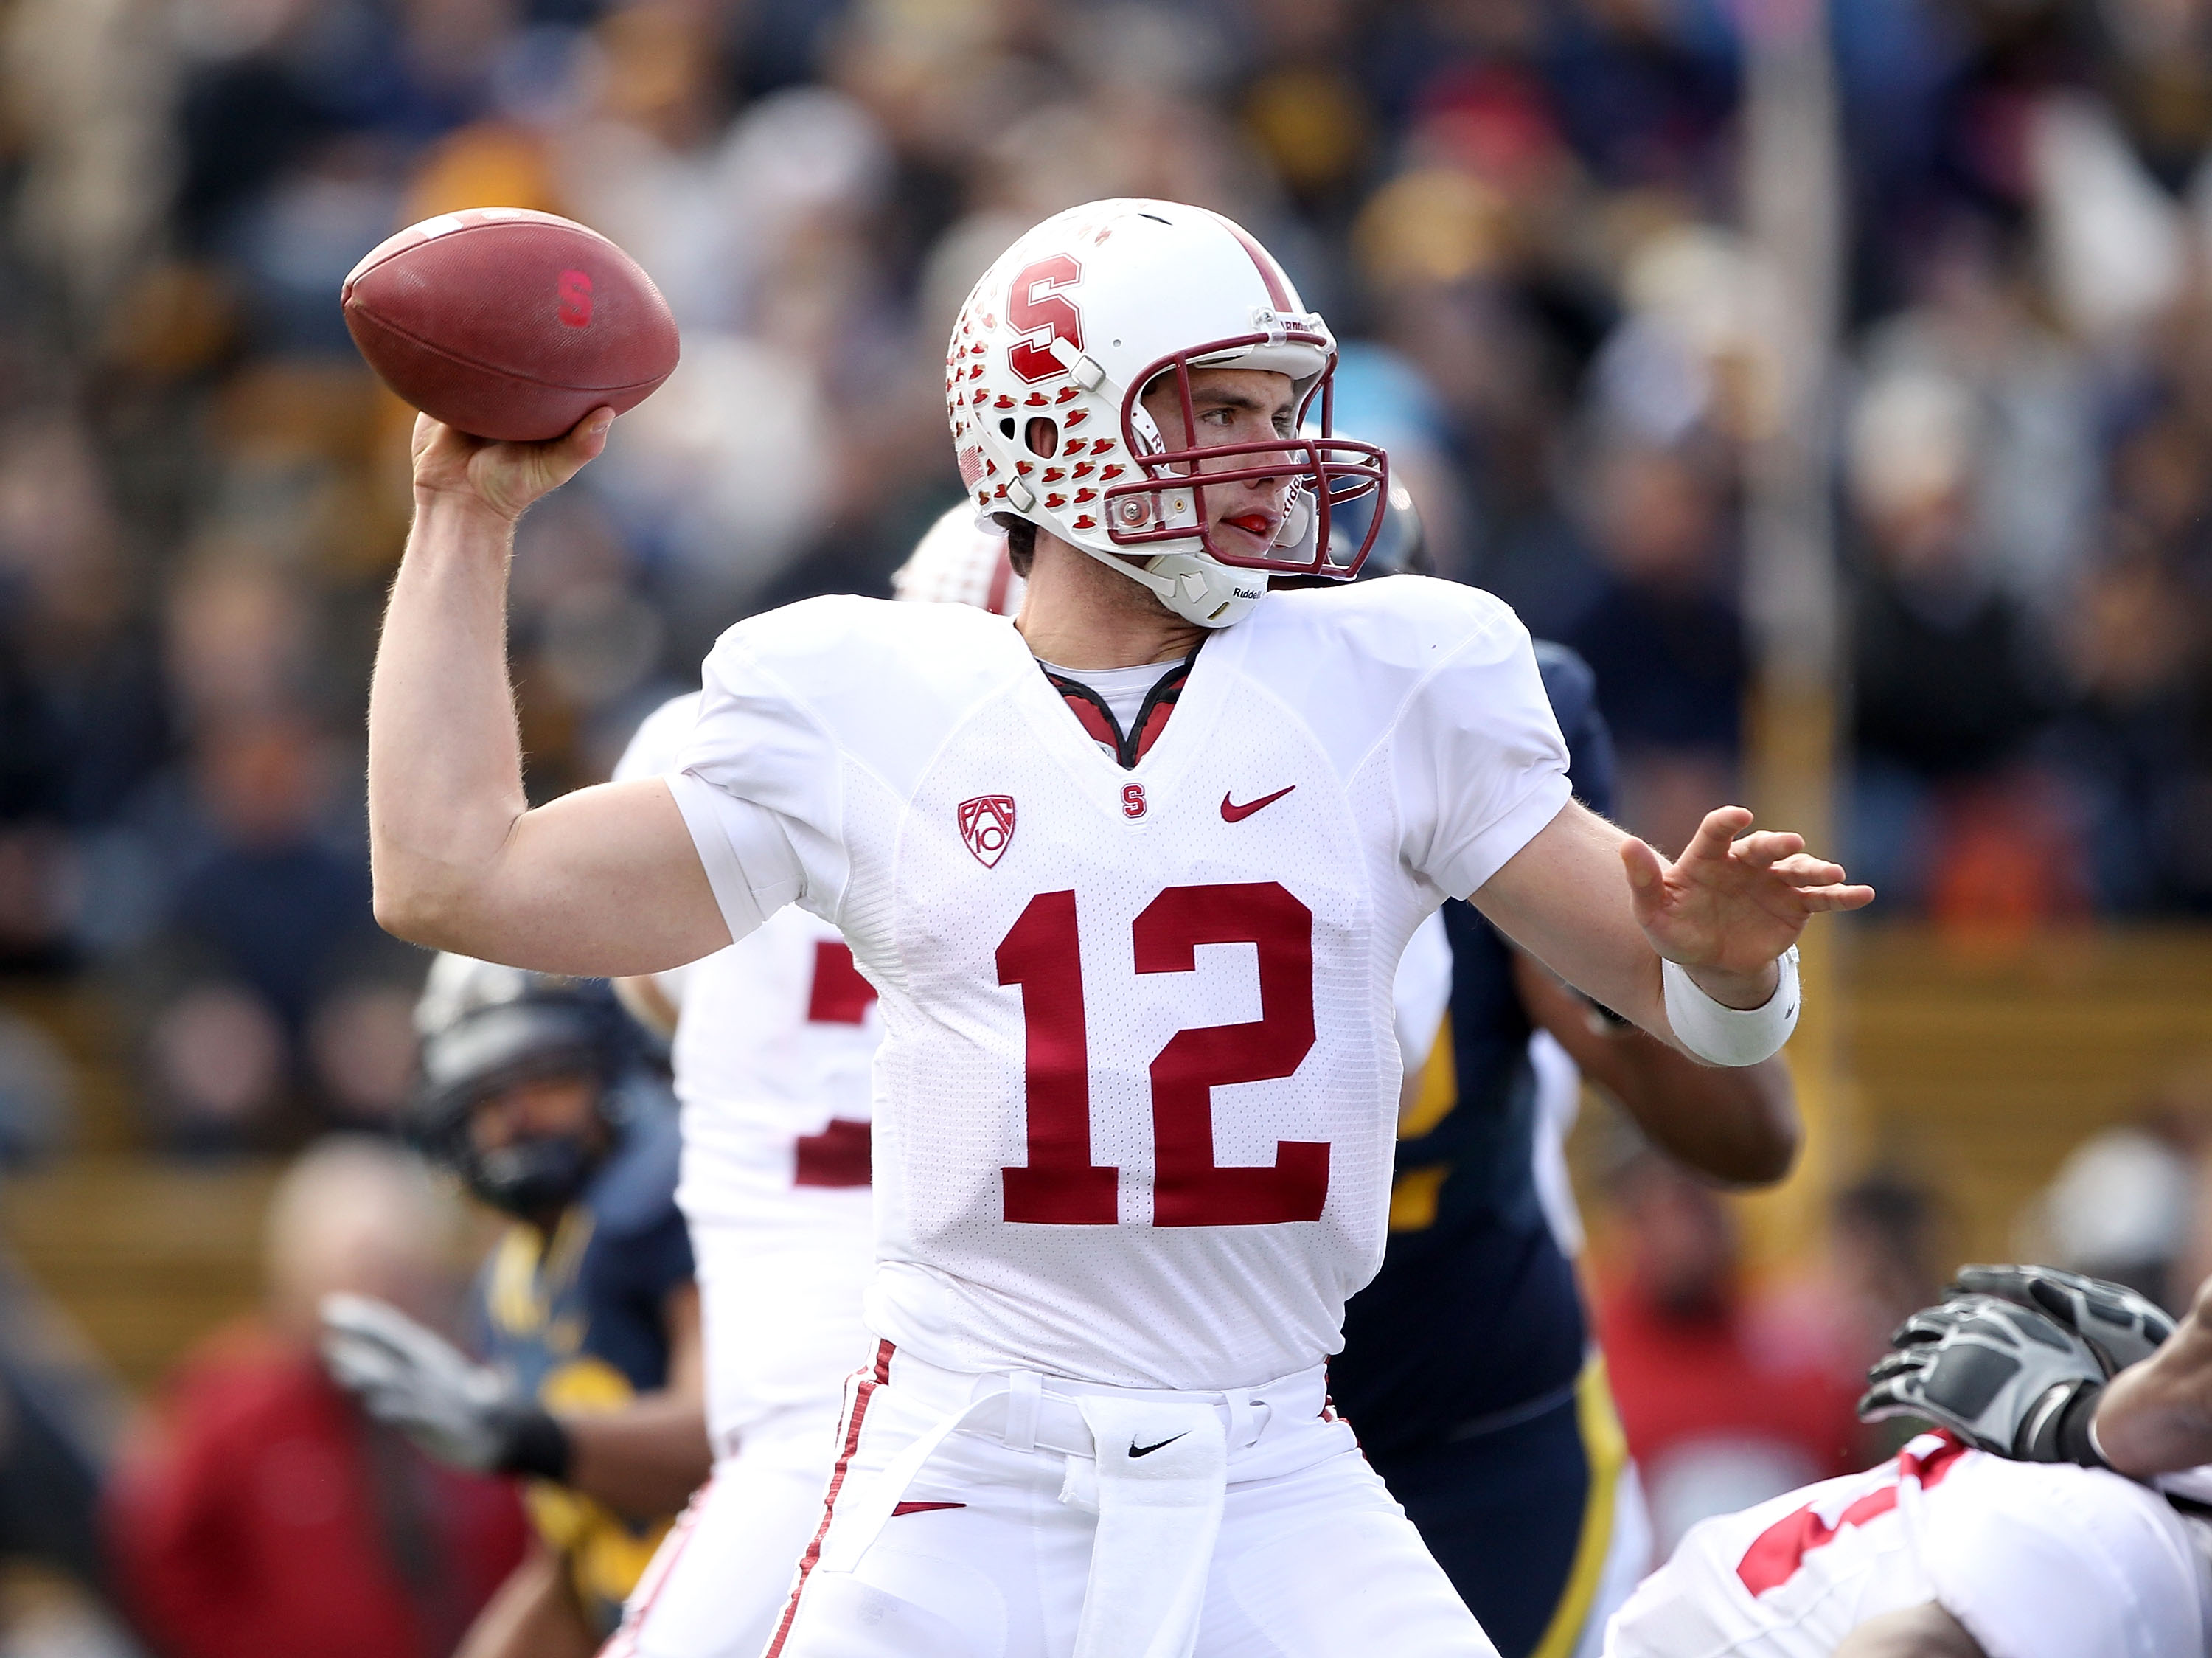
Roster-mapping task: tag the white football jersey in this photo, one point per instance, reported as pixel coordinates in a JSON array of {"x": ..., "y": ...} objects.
[
  {"x": 2035, "y": 1560},
  {"x": 772, "y": 1056},
  {"x": 774, "y": 1071},
  {"x": 1135, "y": 1100}
]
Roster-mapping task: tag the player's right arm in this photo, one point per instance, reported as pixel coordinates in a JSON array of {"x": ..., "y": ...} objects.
[
  {"x": 2155, "y": 1416},
  {"x": 605, "y": 880}
]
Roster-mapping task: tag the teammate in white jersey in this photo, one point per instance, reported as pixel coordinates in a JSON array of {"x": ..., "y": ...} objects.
[
  {"x": 2018, "y": 1559},
  {"x": 1133, "y": 1105},
  {"x": 773, "y": 1041},
  {"x": 1951, "y": 1551}
]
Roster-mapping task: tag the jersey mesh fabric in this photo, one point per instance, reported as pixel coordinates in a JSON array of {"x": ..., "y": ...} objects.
[{"x": 1399, "y": 736}]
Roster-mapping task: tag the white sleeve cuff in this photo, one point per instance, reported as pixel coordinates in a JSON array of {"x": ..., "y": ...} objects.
[
  {"x": 1473, "y": 863},
  {"x": 1722, "y": 1035},
  {"x": 749, "y": 859}
]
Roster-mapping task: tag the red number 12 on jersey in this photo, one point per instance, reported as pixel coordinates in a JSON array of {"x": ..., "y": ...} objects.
[{"x": 1061, "y": 1185}]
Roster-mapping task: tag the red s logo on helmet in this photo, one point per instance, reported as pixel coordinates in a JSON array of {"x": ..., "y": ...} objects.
[{"x": 1033, "y": 306}]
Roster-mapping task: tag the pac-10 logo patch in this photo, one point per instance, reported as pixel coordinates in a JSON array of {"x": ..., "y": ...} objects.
[{"x": 986, "y": 824}]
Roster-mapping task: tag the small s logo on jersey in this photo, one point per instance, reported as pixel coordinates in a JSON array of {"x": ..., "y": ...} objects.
[
  {"x": 1133, "y": 800},
  {"x": 574, "y": 288},
  {"x": 986, "y": 824}
]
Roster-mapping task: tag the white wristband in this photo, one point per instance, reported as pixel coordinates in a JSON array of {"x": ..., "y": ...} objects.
[{"x": 1722, "y": 1035}]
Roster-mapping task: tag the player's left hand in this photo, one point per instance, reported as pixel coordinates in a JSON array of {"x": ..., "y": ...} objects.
[
  {"x": 411, "y": 1378},
  {"x": 1728, "y": 905},
  {"x": 2123, "y": 1326},
  {"x": 2003, "y": 1378}
]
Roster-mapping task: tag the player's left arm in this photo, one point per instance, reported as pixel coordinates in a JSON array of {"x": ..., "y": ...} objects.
[
  {"x": 1737, "y": 1123},
  {"x": 648, "y": 1457},
  {"x": 1725, "y": 911}
]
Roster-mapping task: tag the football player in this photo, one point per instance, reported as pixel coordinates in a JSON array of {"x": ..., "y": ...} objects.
[
  {"x": 1130, "y": 877},
  {"x": 1984, "y": 1539},
  {"x": 1468, "y": 1370},
  {"x": 772, "y": 1041},
  {"x": 534, "y": 1094}
]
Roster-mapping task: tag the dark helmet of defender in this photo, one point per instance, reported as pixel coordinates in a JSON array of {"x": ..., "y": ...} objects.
[
  {"x": 487, "y": 1030},
  {"x": 1399, "y": 547}
]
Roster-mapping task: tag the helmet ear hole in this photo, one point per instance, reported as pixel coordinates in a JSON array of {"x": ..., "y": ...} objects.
[
  {"x": 1006, "y": 427},
  {"x": 1042, "y": 437}
]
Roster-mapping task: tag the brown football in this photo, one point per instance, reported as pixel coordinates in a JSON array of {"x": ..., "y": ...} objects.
[{"x": 508, "y": 323}]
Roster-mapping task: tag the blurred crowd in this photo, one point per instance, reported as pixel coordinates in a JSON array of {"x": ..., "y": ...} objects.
[
  {"x": 1522, "y": 219},
  {"x": 1520, "y": 215}
]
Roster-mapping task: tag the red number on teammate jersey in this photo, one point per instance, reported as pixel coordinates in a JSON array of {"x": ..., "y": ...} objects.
[
  {"x": 1033, "y": 305},
  {"x": 1061, "y": 1185},
  {"x": 839, "y": 1155},
  {"x": 840, "y": 995}
]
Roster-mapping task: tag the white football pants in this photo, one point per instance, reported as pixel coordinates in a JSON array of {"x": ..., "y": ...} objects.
[
  {"x": 722, "y": 1576},
  {"x": 780, "y": 1294},
  {"x": 979, "y": 1540}
]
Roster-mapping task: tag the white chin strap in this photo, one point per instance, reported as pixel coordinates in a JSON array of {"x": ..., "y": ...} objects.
[{"x": 1195, "y": 587}]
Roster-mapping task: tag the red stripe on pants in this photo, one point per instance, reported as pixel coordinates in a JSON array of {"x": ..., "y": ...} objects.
[
  {"x": 622, "y": 1643},
  {"x": 871, "y": 1379}
]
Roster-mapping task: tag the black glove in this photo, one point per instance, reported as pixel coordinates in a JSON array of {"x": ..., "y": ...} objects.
[
  {"x": 413, "y": 1379},
  {"x": 2123, "y": 1326},
  {"x": 2004, "y": 1378}
]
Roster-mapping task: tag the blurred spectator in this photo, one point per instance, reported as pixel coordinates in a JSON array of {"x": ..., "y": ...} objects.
[
  {"x": 1882, "y": 1260},
  {"x": 60, "y": 1411},
  {"x": 1722, "y": 1407},
  {"x": 81, "y": 715},
  {"x": 360, "y": 1052},
  {"x": 1663, "y": 626},
  {"x": 2121, "y": 1206},
  {"x": 37, "y": 1092},
  {"x": 268, "y": 913},
  {"x": 216, "y": 1060},
  {"x": 1950, "y": 680},
  {"x": 264, "y": 1513}
]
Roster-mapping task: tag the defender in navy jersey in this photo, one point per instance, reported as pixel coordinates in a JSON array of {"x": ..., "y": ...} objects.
[
  {"x": 1468, "y": 1370},
  {"x": 586, "y": 1308}
]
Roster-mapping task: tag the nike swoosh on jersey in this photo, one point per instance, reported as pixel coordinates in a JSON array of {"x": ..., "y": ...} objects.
[
  {"x": 1231, "y": 813},
  {"x": 1137, "y": 1450},
  {"x": 923, "y": 1507}
]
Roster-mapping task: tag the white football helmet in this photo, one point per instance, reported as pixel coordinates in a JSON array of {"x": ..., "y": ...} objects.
[
  {"x": 961, "y": 562},
  {"x": 1063, "y": 336}
]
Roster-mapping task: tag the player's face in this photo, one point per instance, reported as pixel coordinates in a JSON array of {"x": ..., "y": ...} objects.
[
  {"x": 561, "y": 1106},
  {"x": 1233, "y": 406}
]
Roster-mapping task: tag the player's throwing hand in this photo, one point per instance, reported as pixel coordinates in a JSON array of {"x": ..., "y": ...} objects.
[
  {"x": 503, "y": 479},
  {"x": 1733, "y": 906}
]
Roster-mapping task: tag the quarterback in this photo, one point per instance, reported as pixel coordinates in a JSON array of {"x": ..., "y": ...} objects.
[{"x": 1130, "y": 875}]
